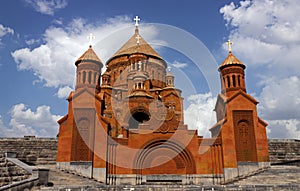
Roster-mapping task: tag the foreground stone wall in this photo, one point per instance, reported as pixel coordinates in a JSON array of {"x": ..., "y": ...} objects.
[
  {"x": 31, "y": 150},
  {"x": 285, "y": 151},
  {"x": 10, "y": 173},
  {"x": 42, "y": 151}
]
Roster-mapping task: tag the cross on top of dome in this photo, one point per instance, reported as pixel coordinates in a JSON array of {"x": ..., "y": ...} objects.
[
  {"x": 136, "y": 19},
  {"x": 229, "y": 43},
  {"x": 91, "y": 37}
]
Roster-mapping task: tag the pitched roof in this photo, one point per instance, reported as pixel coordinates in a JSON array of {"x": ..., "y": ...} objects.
[
  {"x": 131, "y": 46},
  {"x": 231, "y": 60},
  {"x": 90, "y": 56}
]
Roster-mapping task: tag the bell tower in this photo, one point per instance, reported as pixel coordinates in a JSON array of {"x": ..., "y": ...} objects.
[
  {"x": 88, "y": 70},
  {"x": 232, "y": 74}
]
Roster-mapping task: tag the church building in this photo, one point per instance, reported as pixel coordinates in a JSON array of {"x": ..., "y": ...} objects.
[{"x": 126, "y": 125}]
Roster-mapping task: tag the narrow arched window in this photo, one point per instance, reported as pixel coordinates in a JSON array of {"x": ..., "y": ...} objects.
[
  {"x": 79, "y": 78},
  {"x": 121, "y": 74},
  {"x": 90, "y": 77},
  {"x": 239, "y": 80},
  {"x": 233, "y": 81},
  {"x": 83, "y": 77},
  {"x": 228, "y": 81},
  {"x": 95, "y": 77}
]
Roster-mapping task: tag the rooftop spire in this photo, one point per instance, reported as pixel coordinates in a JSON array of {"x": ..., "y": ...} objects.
[
  {"x": 136, "y": 19},
  {"x": 229, "y": 43},
  {"x": 91, "y": 37}
]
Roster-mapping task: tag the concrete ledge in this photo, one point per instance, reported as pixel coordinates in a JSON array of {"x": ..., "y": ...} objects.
[
  {"x": 21, "y": 185},
  {"x": 83, "y": 168},
  {"x": 21, "y": 164}
]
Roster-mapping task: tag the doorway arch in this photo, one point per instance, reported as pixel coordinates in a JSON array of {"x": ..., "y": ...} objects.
[{"x": 164, "y": 157}]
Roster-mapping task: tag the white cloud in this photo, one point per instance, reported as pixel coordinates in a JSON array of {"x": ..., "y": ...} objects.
[
  {"x": 24, "y": 121},
  {"x": 199, "y": 114},
  {"x": 266, "y": 36},
  {"x": 64, "y": 92},
  {"x": 53, "y": 61},
  {"x": 284, "y": 129},
  {"x": 47, "y": 7},
  {"x": 32, "y": 41},
  {"x": 178, "y": 64},
  {"x": 280, "y": 96},
  {"x": 4, "y": 31},
  {"x": 265, "y": 33}
]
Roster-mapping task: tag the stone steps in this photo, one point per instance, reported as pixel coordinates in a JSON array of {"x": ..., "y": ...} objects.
[
  {"x": 277, "y": 178},
  {"x": 10, "y": 172},
  {"x": 276, "y": 175}
]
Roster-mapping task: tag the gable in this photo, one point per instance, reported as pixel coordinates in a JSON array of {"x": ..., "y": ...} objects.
[
  {"x": 171, "y": 95},
  {"x": 85, "y": 92},
  {"x": 242, "y": 96}
]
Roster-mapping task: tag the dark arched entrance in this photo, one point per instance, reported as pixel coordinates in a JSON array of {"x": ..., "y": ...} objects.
[{"x": 137, "y": 118}]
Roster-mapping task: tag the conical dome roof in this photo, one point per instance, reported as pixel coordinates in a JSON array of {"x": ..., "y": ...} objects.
[
  {"x": 131, "y": 46},
  {"x": 231, "y": 60},
  {"x": 89, "y": 56}
]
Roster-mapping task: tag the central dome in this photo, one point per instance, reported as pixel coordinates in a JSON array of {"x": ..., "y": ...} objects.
[{"x": 132, "y": 46}]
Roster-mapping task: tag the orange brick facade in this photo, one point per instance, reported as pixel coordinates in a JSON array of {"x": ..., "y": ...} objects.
[{"x": 126, "y": 126}]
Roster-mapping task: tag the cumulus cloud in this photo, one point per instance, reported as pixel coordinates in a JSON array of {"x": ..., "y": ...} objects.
[
  {"x": 267, "y": 37},
  {"x": 24, "y": 121},
  {"x": 199, "y": 114},
  {"x": 64, "y": 92},
  {"x": 47, "y": 7},
  {"x": 284, "y": 128},
  {"x": 53, "y": 61}
]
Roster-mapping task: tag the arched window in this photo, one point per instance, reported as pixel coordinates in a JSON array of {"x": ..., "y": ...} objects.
[
  {"x": 95, "y": 77},
  {"x": 233, "y": 81},
  {"x": 121, "y": 74},
  {"x": 79, "y": 78},
  {"x": 228, "y": 81},
  {"x": 239, "y": 80},
  {"x": 90, "y": 77},
  {"x": 152, "y": 75},
  {"x": 136, "y": 119},
  {"x": 83, "y": 77}
]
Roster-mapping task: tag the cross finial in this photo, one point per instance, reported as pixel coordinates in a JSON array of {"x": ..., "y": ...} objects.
[
  {"x": 229, "y": 43},
  {"x": 136, "y": 19},
  {"x": 138, "y": 37},
  {"x": 91, "y": 37},
  {"x": 169, "y": 68}
]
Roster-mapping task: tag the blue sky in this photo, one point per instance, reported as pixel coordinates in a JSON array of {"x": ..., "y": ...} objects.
[{"x": 40, "y": 41}]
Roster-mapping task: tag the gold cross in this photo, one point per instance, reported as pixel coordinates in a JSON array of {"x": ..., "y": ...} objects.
[
  {"x": 138, "y": 37},
  {"x": 91, "y": 37},
  {"x": 136, "y": 19},
  {"x": 229, "y": 43}
]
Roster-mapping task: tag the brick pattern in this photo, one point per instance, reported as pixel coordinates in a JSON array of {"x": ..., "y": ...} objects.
[
  {"x": 284, "y": 151},
  {"x": 31, "y": 150}
]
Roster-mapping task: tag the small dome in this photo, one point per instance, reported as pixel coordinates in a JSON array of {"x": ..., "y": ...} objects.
[
  {"x": 89, "y": 56},
  {"x": 231, "y": 60},
  {"x": 170, "y": 74}
]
